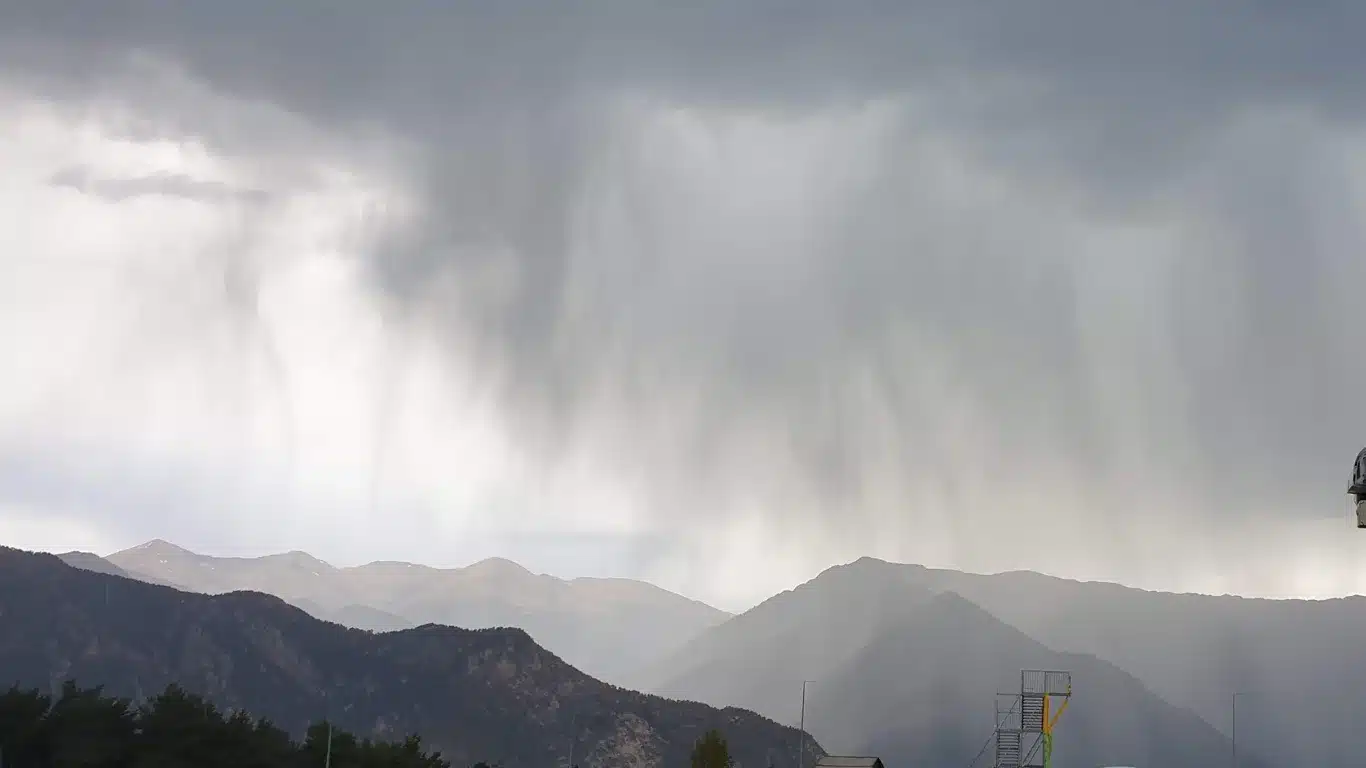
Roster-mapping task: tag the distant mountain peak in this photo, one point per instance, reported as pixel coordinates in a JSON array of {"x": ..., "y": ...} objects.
[
  {"x": 391, "y": 565},
  {"x": 77, "y": 554},
  {"x": 160, "y": 547},
  {"x": 870, "y": 559},
  {"x": 498, "y": 566},
  {"x": 299, "y": 558},
  {"x": 868, "y": 562}
]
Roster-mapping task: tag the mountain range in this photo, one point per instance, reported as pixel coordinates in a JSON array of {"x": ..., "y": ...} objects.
[
  {"x": 609, "y": 628},
  {"x": 1297, "y": 666},
  {"x": 905, "y": 658},
  {"x": 906, "y": 670},
  {"x": 491, "y": 695}
]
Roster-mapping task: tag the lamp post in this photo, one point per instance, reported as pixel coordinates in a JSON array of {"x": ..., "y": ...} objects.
[{"x": 801, "y": 745}]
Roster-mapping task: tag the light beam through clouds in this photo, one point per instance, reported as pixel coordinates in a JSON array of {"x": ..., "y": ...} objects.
[{"x": 732, "y": 291}]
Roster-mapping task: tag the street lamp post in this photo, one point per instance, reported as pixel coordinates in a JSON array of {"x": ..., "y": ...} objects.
[{"x": 801, "y": 746}]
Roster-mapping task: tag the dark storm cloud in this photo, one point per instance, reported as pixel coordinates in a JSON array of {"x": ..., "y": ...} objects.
[
  {"x": 817, "y": 335},
  {"x": 1146, "y": 75}
]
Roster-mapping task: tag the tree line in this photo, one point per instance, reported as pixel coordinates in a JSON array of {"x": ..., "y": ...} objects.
[{"x": 84, "y": 728}]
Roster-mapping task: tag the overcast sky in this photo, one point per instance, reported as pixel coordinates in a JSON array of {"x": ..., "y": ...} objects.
[{"x": 714, "y": 294}]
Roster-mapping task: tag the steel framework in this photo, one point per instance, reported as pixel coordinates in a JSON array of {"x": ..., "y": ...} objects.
[{"x": 1025, "y": 721}]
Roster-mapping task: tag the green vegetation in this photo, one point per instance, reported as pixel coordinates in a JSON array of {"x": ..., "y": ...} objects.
[
  {"x": 711, "y": 751},
  {"x": 83, "y": 728}
]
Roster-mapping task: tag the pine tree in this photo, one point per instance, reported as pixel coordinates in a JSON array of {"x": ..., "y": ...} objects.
[{"x": 711, "y": 751}]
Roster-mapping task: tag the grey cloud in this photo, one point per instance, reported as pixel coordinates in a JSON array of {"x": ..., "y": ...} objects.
[
  {"x": 226, "y": 511},
  {"x": 1162, "y": 64},
  {"x": 161, "y": 183},
  {"x": 250, "y": 515},
  {"x": 1224, "y": 363}
]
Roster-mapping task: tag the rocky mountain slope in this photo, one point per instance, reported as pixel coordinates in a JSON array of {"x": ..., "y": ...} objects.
[
  {"x": 492, "y": 694},
  {"x": 606, "y": 627},
  {"x": 908, "y": 672}
]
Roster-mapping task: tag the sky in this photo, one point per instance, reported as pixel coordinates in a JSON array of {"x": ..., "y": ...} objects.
[{"x": 714, "y": 295}]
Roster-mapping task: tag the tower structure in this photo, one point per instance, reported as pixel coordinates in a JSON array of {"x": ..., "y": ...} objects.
[{"x": 1025, "y": 721}]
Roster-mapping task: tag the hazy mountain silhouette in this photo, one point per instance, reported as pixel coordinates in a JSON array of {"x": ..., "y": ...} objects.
[
  {"x": 90, "y": 561},
  {"x": 357, "y": 616},
  {"x": 606, "y": 627},
  {"x": 1299, "y": 665},
  {"x": 492, "y": 695},
  {"x": 908, "y": 671}
]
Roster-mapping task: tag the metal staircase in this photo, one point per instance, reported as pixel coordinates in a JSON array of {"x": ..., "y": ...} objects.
[
  {"x": 1025, "y": 720},
  {"x": 1009, "y": 740},
  {"x": 1008, "y": 749},
  {"x": 1031, "y": 712}
]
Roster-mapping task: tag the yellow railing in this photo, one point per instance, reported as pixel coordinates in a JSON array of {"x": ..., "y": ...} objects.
[{"x": 1050, "y": 722}]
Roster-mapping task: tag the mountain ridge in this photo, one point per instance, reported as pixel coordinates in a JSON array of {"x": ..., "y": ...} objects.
[
  {"x": 1195, "y": 650},
  {"x": 488, "y": 694},
  {"x": 1188, "y": 648},
  {"x": 608, "y": 627},
  {"x": 905, "y": 669}
]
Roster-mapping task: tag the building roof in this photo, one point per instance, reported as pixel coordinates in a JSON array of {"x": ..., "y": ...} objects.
[{"x": 837, "y": 761}]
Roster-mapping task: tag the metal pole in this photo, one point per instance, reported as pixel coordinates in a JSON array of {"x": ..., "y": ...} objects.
[
  {"x": 801, "y": 748},
  {"x": 327, "y": 761}
]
